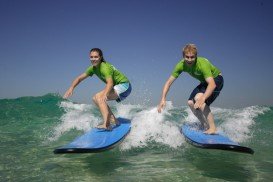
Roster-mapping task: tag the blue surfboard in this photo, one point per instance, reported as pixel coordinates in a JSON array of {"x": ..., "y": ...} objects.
[
  {"x": 197, "y": 138},
  {"x": 97, "y": 140}
]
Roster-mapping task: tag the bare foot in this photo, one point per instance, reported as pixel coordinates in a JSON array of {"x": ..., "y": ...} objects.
[
  {"x": 204, "y": 126},
  {"x": 115, "y": 122},
  {"x": 210, "y": 131},
  {"x": 102, "y": 126}
]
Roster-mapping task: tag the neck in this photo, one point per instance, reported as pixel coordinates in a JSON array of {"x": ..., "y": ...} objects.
[{"x": 98, "y": 65}]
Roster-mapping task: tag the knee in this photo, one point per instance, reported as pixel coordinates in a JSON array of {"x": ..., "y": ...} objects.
[
  {"x": 197, "y": 96},
  {"x": 190, "y": 103},
  {"x": 98, "y": 98},
  {"x": 94, "y": 98}
]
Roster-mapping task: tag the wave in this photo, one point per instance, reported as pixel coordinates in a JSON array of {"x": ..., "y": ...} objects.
[{"x": 149, "y": 128}]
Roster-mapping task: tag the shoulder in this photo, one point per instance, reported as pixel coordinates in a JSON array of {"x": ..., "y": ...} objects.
[
  {"x": 106, "y": 65},
  {"x": 106, "y": 68},
  {"x": 202, "y": 60},
  {"x": 178, "y": 69},
  {"x": 90, "y": 68},
  {"x": 180, "y": 63}
]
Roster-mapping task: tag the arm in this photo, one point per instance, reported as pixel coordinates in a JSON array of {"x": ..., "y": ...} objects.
[
  {"x": 210, "y": 88},
  {"x": 80, "y": 78},
  {"x": 164, "y": 93}
]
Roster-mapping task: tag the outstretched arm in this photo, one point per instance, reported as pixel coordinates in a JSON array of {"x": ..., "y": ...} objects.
[
  {"x": 210, "y": 88},
  {"x": 69, "y": 92},
  {"x": 164, "y": 93}
]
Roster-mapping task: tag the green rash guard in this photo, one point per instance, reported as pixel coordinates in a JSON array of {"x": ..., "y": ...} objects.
[
  {"x": 105, "y": 70},
  {"x": 201, "y": 69}
]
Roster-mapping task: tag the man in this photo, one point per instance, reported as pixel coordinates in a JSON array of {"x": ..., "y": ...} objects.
[{"x": 211, "y": 83}]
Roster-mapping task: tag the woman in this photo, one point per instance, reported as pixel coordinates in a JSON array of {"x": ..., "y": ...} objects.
[{"x": 117, "y": 86}]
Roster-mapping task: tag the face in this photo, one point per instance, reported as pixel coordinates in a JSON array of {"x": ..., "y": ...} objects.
[
  {"x": 189, "y": 58},
  {"x": 95, "y": 58}
]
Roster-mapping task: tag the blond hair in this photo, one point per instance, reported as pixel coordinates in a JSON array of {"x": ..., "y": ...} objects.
[{"x": 190, "y": 48}]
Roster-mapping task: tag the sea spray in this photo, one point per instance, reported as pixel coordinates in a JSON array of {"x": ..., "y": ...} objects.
[
  {"x": 234, "y": 123},
  {"x": 76, "y": 116},
  {"x": 239, "y": 123},
  {"x": 151, "y": 126}
]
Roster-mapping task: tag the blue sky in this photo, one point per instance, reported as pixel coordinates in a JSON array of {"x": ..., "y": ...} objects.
[{"x": 44, "y": 45}]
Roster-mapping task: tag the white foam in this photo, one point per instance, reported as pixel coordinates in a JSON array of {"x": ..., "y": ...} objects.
[
  {"x": 235, "y": 123},
  {"x": 77, "y": 116},
  {"x": 190, "y": 118},
  {"x": 150, "y": 126},
  {"x": 238, "y": 123},
  {"x": 124, "y": 110}
]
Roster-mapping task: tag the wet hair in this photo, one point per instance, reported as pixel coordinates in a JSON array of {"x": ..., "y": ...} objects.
[
  {"x": 98, "y": 51},
  {"x": 190, "y": 48}
]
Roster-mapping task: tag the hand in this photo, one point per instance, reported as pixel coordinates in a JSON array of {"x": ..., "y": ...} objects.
[
  {"x": 199, "y": 103},
  {"x": 161, "y": 105},
  {"x": 68, "y": 93}
]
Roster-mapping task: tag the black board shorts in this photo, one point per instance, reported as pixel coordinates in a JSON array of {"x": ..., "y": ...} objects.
[{"x": 201, "y": 88}]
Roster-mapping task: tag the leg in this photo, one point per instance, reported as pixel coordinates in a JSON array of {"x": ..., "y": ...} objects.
[
  {"x": 105, "y": 110},
  {"x": 112, "y": 96},
  {"x": 103, "y": 107},
  {"x": 207, "y": 115},
  {"x": 198, "y": 114},
  {"x": 205, "y": 109},
  {"x": 112, "y": 117}
]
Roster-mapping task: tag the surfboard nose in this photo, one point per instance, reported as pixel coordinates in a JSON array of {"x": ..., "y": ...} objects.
[{"x": 197, "y": 138}]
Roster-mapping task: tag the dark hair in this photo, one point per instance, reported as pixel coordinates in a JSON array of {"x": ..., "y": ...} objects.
[{"x": 98, "y": 51}]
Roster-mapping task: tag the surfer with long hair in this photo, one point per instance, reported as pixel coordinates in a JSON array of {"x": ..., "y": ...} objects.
[{"x": 117, "y": 86}]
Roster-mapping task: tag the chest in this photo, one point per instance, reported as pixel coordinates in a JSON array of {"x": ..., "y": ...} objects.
[{"x": 194, "y": 70}]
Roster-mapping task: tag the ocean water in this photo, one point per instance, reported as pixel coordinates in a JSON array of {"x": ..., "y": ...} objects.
[{"x": 32, "y": 127}]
